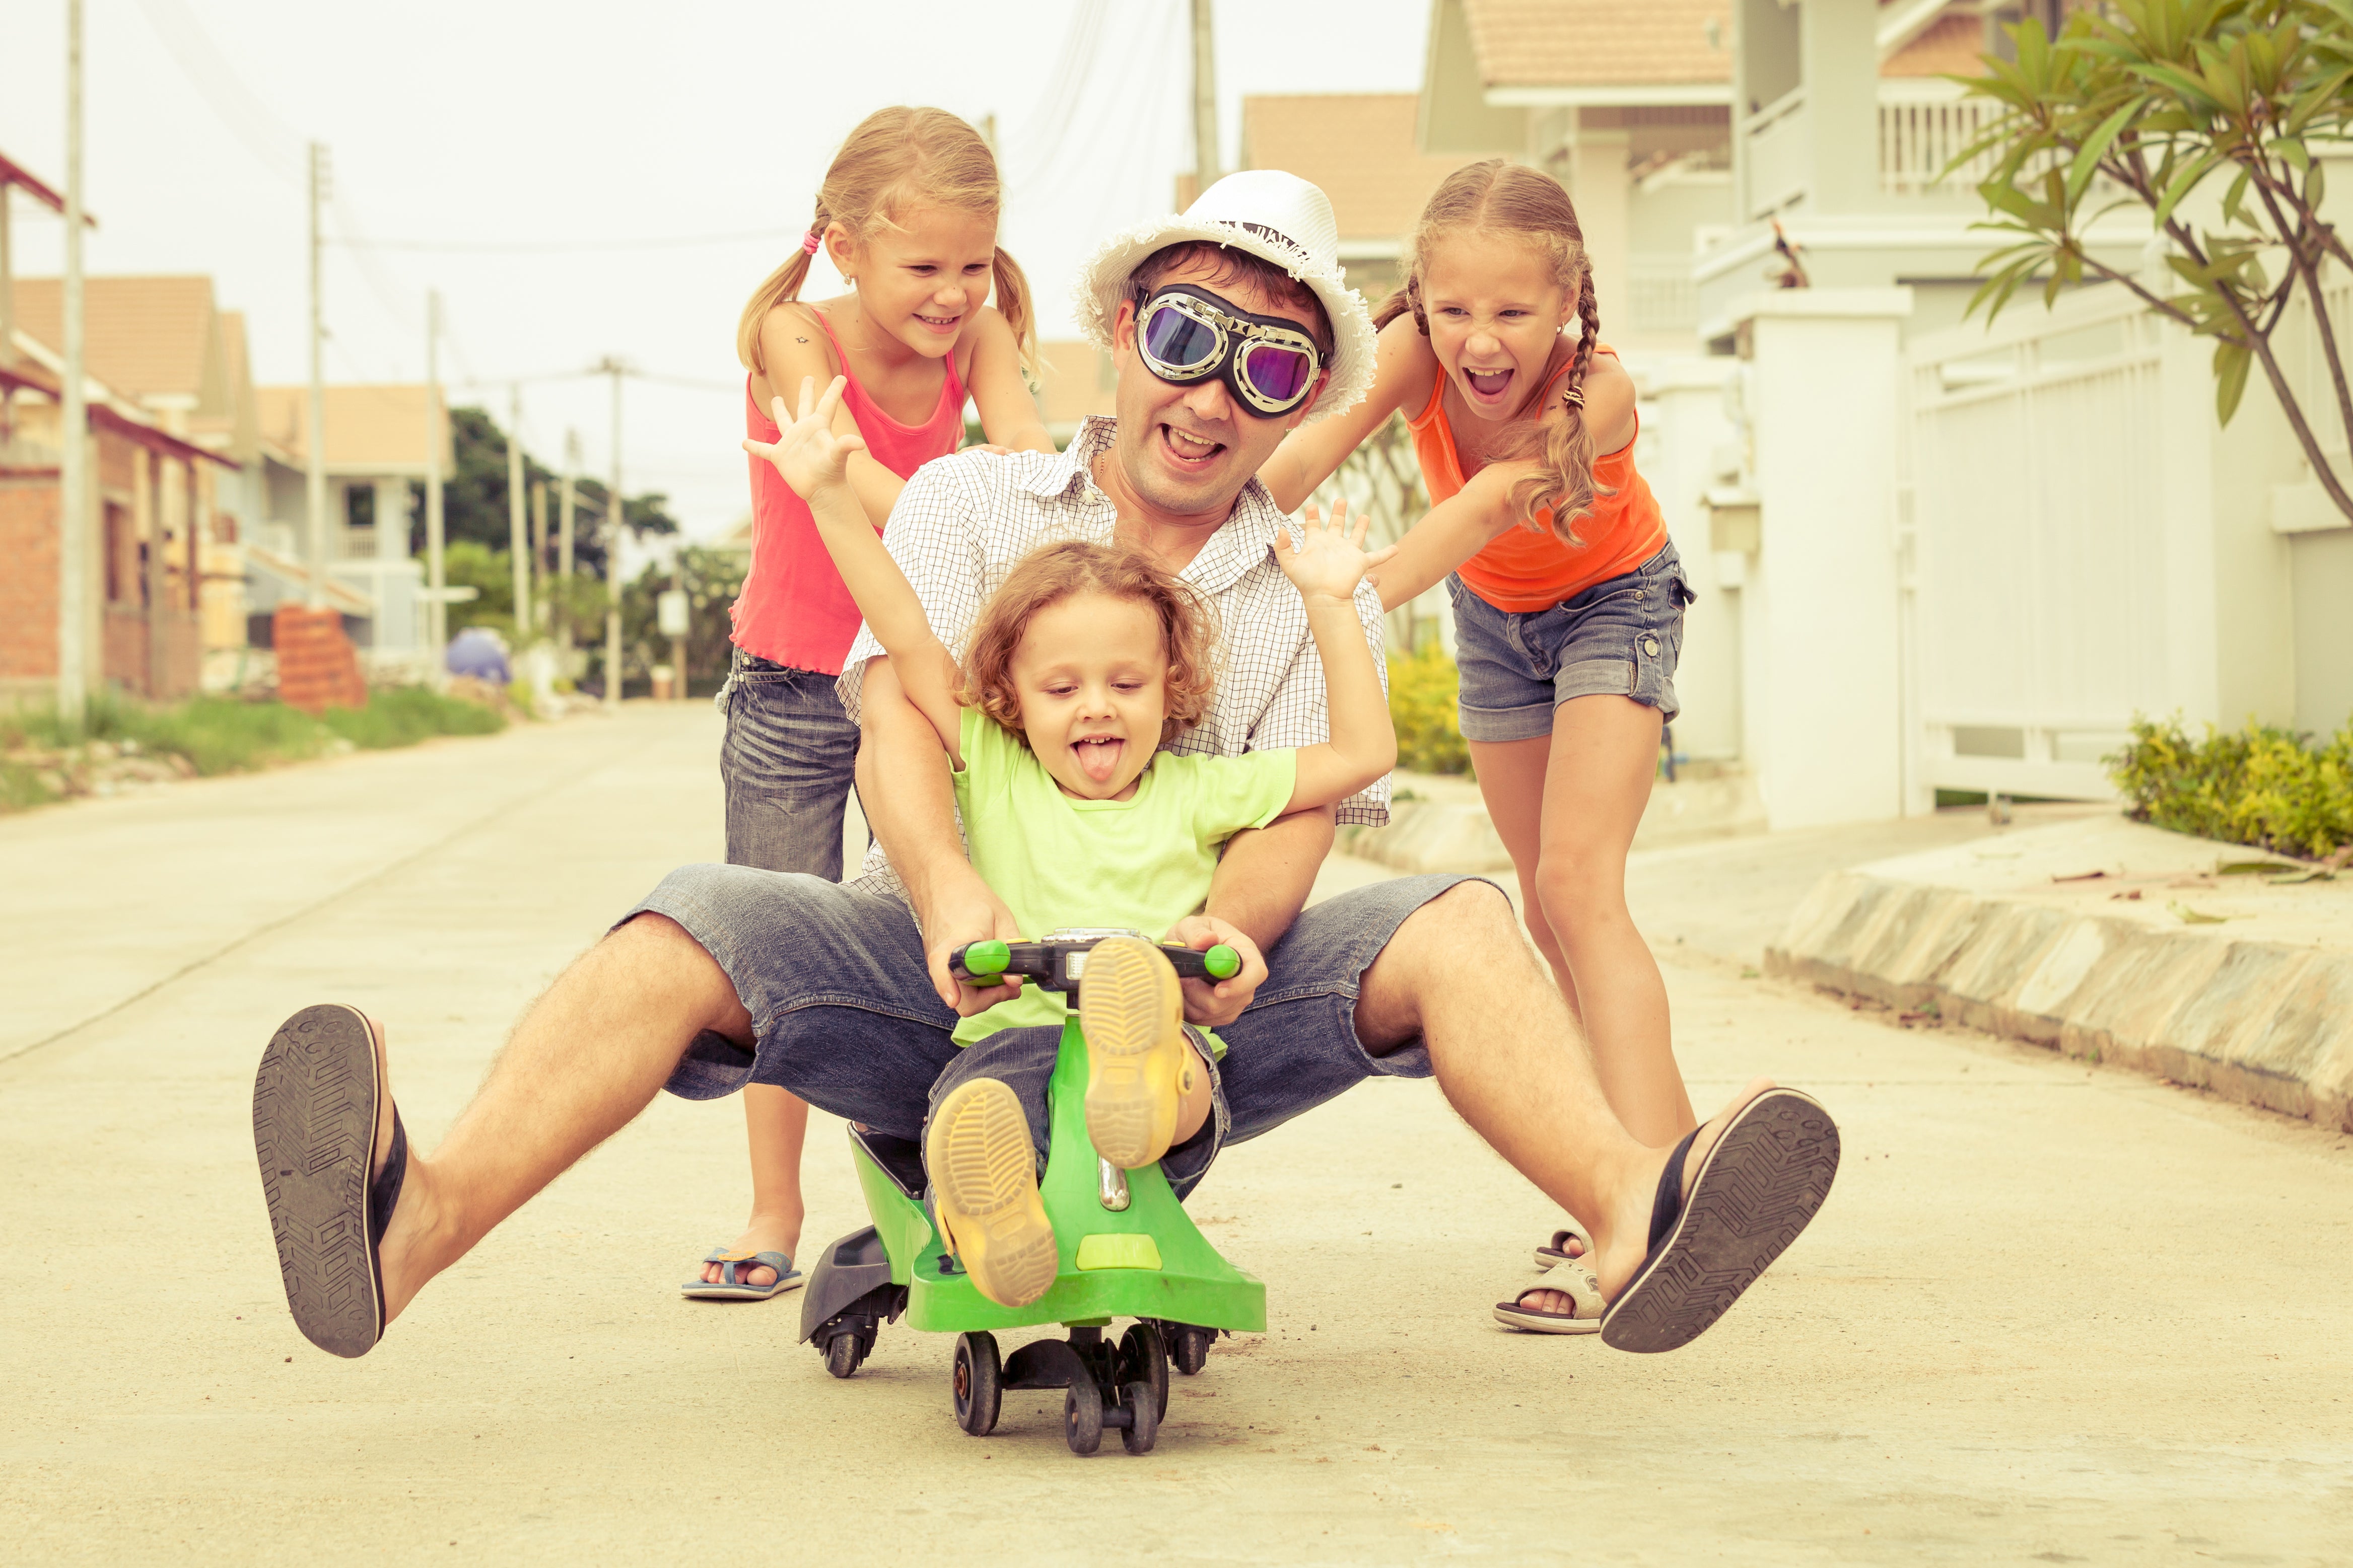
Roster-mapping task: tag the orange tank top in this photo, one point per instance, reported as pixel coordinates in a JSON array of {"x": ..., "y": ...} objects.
[{"x": 1522, "y": 568}]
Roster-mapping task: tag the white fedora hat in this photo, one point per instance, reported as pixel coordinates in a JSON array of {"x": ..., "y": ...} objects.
[{"x": 1277, "y": 217}]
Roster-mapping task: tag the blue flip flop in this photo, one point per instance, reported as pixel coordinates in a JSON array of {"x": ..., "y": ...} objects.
[{"x": 732, "y": 1288}]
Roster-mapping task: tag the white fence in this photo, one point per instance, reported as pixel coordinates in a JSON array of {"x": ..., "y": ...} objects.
[
  {"x": 1922, "y": 127},
  {"x": 2031, "y": 561}
]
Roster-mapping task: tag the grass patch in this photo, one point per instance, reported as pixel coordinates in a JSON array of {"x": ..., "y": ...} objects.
[
  {"x": 2263, "y": 785},
  {"x": 38, "y": 751},
  {"x": 404, "y": 715}
]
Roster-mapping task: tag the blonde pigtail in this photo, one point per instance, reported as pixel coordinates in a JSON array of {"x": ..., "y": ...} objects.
[{"x": 1013, "y": 304}]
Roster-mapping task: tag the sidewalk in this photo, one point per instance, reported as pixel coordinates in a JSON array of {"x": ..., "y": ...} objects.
[
  {"x": 2112, "y": 940},
  {"x": 2002, "y": 1342}
]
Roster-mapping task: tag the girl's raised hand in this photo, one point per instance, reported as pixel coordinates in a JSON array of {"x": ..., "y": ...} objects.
[
  {"x": 805, "y": 451},
  {"x": 1328, "y": 559}
]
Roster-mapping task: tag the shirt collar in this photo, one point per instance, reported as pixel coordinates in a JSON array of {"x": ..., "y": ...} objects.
[{"x": 1243, "y": 542}]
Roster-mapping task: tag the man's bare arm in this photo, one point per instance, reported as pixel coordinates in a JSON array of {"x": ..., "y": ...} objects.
[
  {"x": 1260, "y": 886},
  {"x": 910, "y": 803}
]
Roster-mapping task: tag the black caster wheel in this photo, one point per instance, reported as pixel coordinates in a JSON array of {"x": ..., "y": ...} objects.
[
  {"x": 1191, "y": 1351},
  {"x": 843, "y": 1352},
  {"x": 1083, "y": 1417},
  {"x": 1142, "y": 1359},
  {"x": 1144, "y": 1426},
  {"x": 979, "y": 1382}
]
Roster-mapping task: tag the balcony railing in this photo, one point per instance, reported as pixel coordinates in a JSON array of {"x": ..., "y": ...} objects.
[{"x": 1923, "y": 126}]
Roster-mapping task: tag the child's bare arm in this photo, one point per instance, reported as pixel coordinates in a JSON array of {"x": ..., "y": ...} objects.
[
  {"x": 1009, "y": 415},
  {"x": 1325, "y": 562},
  {"x": 813, "y": 455}
]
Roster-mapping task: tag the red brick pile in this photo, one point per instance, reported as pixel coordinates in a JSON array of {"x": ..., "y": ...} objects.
[{"x": 316, "y": 667}]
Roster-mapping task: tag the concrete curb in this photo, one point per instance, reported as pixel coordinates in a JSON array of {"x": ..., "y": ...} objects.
[
  {"x": 2260, "y": 1021},
  {"x": 1445, "y": 828}
]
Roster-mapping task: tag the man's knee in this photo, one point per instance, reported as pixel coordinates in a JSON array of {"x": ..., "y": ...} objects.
[
  {"x": 1441, "y": 942},
  {"x": 656, "y": 953}
]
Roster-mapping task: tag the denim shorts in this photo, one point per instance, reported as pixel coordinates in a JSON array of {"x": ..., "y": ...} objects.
[
  {"x": 1621, "y": 637},
  {"x": 787, "y": 765},
  {"x": 843, "y": 1013}
]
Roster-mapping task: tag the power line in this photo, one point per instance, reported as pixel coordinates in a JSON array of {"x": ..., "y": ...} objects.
[{"x": 567, "y": 246}]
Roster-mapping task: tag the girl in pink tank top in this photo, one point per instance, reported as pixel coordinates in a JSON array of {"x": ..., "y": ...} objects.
[{"x": 908, "y": 216}]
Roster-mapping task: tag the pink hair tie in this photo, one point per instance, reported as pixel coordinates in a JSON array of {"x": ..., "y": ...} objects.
[{"x": 810, "y": 243}]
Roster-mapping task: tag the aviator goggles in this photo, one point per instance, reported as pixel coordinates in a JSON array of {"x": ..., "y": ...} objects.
[{"x": 1186, "y": 335}]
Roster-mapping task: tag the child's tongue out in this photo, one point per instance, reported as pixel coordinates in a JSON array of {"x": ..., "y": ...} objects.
[{"x": 1099, "y": 756}]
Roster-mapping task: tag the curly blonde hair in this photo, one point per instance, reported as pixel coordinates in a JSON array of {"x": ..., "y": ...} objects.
[{"x": 1053, "y": 572}]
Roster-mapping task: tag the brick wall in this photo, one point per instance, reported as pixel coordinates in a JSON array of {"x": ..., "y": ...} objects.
[{"x": 28, "y": 578}]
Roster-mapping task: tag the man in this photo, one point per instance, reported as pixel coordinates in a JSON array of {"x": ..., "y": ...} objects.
[{"x": 726, "y": 975}]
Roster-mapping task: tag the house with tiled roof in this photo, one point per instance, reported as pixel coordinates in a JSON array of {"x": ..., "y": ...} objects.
[
  {"x": 1361, "y": 148},
  {"x": 1685, "y": 129}
]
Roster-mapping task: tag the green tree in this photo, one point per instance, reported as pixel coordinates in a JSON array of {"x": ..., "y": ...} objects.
[
  {"x": 474, "y": 500},
  {"x": 2138, "y": 103}
]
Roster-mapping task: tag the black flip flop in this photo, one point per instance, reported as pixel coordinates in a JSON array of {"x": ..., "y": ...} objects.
[
  {"x": 314, "y": 1120},
  {"x": 1763, "y": 1181}
]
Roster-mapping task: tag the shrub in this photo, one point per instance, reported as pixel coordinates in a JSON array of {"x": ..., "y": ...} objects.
[
  {"x": 1421, "y": 705},
  {"x": 2263, "y": 785}
]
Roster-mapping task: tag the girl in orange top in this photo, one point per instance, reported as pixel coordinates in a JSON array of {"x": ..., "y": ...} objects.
[{"x": 1568, "y": 598}]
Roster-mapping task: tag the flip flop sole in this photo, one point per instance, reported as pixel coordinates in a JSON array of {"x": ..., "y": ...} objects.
[
  {"x": 1544, "y": 1323},
  {"x": 314, "y": 1116},
  {"x": 1760, "y": 1186}
]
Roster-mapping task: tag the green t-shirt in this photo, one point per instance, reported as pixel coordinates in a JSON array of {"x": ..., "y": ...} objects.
[{"x": 1143, "y": 862}]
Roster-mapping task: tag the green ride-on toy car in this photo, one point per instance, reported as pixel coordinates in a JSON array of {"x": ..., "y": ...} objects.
[{"x": 1128, "y": 1250}]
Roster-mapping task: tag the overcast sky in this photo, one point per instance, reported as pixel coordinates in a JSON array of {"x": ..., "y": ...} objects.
[{"x": 499, "y": 126}]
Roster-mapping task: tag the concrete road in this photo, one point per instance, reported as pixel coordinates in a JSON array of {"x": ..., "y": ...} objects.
[{"x": 2049, "y": 1314}]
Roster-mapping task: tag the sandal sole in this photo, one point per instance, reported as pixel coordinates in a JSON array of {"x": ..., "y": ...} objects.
[
  {"x": 314, "y": 1113},
  {"x": 1760, "y": 1186},
  {"x": 1131, "y": 1009},
  {"x": 984, "y": 1173}
]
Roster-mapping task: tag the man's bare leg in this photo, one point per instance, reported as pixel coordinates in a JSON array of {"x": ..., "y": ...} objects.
[
  {"x": 1513, "y": 1062},
  {"x": 586, "y": 1059}
]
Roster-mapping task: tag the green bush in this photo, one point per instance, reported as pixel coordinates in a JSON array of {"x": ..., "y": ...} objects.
[
  {"x": 2263, "y": 785},
  {"x": 1421, "y": 705}
]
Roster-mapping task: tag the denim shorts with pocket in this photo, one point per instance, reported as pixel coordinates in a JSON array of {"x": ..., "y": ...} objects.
[
  {"x": 1621, "y": 637},
  {"x": 787, "y": 765}
]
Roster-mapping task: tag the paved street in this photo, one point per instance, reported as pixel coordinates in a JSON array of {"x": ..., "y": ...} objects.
[{"x": 2051, "y": 1312}]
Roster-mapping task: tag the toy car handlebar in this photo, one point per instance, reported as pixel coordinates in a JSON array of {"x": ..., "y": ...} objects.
[{"x": 1058, "y": 965}]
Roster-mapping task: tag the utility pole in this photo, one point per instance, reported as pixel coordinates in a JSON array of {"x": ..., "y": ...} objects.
[
  {"x": 436, "y": 436},
  {"x": 616, "y": 512},
  {"x": 518, "y": 549},
  {"x": 73, "y": 437},
  {"x": 1205, "y": 100},
  {"x": 314, "y": 442},
  {"x": 539, "y": 552},
  {"x": 569, "y": 500}
]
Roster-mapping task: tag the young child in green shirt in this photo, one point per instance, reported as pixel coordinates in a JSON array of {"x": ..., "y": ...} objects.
[{"x": 1083, "y": 665}]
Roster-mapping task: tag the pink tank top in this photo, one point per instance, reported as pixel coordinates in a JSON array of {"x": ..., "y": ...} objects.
[{"x": 794, "y": 608}]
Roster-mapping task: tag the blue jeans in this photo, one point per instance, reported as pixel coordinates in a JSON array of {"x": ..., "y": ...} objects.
[
  {"x": 1621, "y": 637},
  {"x": 844, "y": 1015},
  {"x": 787, "y": 765}
]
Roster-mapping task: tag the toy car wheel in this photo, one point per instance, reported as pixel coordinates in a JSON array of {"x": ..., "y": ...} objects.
[
  {"x": 1083, "y": 1417},
  {"x": 1144, "y": 1429},
  {"x": 843, "y": 1352},
  {"x": 979, "y": 1382},
  {"x": 1191, "y": 1351},
  {"x": 1142, "y": 1359}
]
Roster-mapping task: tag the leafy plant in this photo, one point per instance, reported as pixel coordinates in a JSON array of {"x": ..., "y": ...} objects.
[
  {"x": 2138, "y": 103},
  {"x": 2262, "y": 785},
  {"x": 1421, "y": 704}
]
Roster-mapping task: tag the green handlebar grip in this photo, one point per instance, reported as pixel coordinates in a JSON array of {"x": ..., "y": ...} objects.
[
  {"x": 1222, "y": 961},
  {"x": 986, "y": 960}
]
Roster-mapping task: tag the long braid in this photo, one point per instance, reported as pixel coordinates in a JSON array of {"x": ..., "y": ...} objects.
[{"x": 1564, "y": 483}]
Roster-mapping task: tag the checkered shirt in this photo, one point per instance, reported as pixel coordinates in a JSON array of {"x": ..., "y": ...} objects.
[{"x": 963, "y": 522}]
